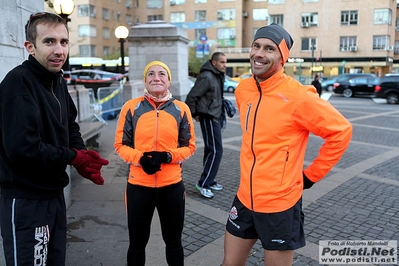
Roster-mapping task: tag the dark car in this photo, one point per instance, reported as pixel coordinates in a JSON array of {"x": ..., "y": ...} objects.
[
  {"x": 328, "y": 82},
  {"x": 355, "y": 84},
  {"x": 388, "y": 88}
]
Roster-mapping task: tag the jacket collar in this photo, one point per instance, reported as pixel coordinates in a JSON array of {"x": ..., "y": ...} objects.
[{"x": 46, "y": 77}]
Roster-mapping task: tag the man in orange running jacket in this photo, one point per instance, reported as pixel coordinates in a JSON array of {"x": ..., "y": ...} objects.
[
  {"x": 277, "y": 114},
  {"x": 155, "y": 135}
]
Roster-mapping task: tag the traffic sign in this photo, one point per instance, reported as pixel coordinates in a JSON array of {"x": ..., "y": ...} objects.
[{"x": 203, "y": 39}]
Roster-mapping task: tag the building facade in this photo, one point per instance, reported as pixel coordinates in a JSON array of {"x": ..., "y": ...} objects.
[{"x": 330, "y": 36}]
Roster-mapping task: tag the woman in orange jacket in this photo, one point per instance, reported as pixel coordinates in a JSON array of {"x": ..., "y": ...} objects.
[
  {"x": 277, "y": 114},
  {"x": 155, "y": 135}
]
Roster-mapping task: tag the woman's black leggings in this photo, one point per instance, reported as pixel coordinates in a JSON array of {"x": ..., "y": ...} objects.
[{"x": 141, "y": 203}]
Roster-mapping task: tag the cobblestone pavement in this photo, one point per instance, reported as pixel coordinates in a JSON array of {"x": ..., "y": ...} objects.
[{"x": 362, "y": 205}]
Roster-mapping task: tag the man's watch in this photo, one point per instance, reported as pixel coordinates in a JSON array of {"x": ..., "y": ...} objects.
[{"x": 168, "y": 157}]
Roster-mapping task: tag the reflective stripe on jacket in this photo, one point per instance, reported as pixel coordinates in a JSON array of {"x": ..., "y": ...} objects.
[
  {"x": 276, "y": 120},
  {"x": 143, "y": 127}
]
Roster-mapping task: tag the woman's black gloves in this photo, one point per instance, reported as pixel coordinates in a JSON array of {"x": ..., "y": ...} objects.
[
  {"x": 151, "y": 161},
  {"x": 307, "y": 183}
]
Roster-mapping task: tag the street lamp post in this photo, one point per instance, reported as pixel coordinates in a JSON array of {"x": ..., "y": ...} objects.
[
  {"x": 64, "y": 8},
  {"x": 121, "y": 32}
]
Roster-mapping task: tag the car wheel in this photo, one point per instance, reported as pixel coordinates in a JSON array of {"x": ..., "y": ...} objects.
[
  {"x": 330, "y": 88},
  {"x": 230, "y": 89},
  {"x": 392, "y": 98},
  {"x": 347, "y": 93}
]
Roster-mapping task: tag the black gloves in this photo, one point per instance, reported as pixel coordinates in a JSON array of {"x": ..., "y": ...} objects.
[
  {"x": 307, "y": 183},
  {"x": 151, "y": 161}
]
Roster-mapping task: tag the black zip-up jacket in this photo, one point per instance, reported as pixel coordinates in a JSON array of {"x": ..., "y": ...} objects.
[
  {"x": 205, "y": 97},
  {"x": 38, "y": 128}
]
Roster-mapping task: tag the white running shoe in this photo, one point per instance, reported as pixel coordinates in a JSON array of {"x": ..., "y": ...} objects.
[
  {"x": 206, "y": 192},
  {"x": 216, "y": 187}
]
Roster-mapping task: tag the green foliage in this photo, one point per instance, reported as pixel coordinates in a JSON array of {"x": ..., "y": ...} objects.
[{"x": 194, "y": 63}]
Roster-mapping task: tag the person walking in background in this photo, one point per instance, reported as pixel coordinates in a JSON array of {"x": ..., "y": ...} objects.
[
  {"x": 39, "y": 138},
  {"x": 277, "y": 114},
  {"x": 205, "y": 101},
  {"x": 155, "y": 135},
  {"x": 317, "y": 85}
]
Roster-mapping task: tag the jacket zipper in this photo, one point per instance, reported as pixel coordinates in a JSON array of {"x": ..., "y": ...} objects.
[
  {"x": 155, "y": 141},
  {"x": 252, "y": 143},
  {"x": 55, "y": 97}
]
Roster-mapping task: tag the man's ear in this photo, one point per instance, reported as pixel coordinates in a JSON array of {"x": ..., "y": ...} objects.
[{"x": 29, "y": 47}]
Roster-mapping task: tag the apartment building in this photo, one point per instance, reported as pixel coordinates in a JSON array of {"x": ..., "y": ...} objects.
[{"x": 330, "y": 36}]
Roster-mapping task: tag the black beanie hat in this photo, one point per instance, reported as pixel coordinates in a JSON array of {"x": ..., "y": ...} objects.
[{"x": 279, "y": 36}]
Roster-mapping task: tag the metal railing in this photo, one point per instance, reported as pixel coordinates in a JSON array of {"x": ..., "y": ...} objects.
[{"x": 108, "y": 102}]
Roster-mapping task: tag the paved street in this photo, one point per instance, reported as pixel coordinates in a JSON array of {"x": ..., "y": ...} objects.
[{"x": 357, "y": 200}]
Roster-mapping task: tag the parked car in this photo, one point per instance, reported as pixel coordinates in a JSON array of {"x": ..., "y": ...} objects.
[
  {"x": 82, "y": 76},
  {"x": 388, "y": 88},
  {"x": 230, "y": 85},
  {"x": 327, "y": 84},
  {"x": 355, "y": 84},
  {"x": 242, "y": 76}
]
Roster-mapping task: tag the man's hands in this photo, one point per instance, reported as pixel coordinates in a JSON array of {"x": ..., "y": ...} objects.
[
  {"x": 151, "y": 161},
  {"x": 88, "y": 164}
]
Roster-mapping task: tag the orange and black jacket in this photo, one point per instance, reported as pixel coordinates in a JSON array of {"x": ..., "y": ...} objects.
[
  {"x": 144, "y": 127},
  {"x": 277, "y": 116}
]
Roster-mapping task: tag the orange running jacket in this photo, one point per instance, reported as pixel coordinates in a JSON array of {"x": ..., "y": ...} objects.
[
  {"x": 276, "y": 119},
  {"x": 144, "y": 127}
]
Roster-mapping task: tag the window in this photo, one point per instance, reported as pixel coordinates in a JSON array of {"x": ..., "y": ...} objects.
[
  {"x": 278, "y": 19},
  {"x": 176, "y": 17},
  {"x": 226, "y": 14},
  {"x": 87, "y": 50},
  {"x": 199, "y": 32},
  {"x": 118, "y": 16},
  {"x": 276, "y": 2},
  {"x": 226, "y": 0},
  {"x": 260, "y": 0},
  {"x": 396, "y": 47},
  {"x": 346, "y": 43},
  {"x": 154, "y": 3},
  {"x": 177, "y": 2},
  {"x": 86, "y": 11},
  {"x": 226, "y": 33},
  {"x": 200, "y": 15},
  {"x": 307, "y": 43},
  {"x": 154, "y": 17},
  {"x": 129, "y": 19},
  {"x": 309, "y": 1},
  {"x": 381, "y": 42},
  {"x": 383, "y": 16},
  {"x": 136, "y": 3},
  {"x": 106, "y": 50},
  {"x": 105, "y": 14},
  {"x": 200, "y": 1},
  {"x": 87, "y": 31},
  {"x": 349, "y": 17},
  {"x": 128, "y": 3},
  {"x": 260, "y": 14},
  {"x": 310, "y": 19},
  {"x": 106, "y": 33}
]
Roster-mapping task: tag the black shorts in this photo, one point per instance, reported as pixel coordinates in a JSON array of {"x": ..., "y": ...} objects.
[{"x": 277, "y": 231}]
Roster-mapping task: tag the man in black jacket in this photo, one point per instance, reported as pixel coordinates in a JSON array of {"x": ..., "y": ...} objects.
[
  {"x": 39, "y": 138},
  {"x": 205, "y": 101}
]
